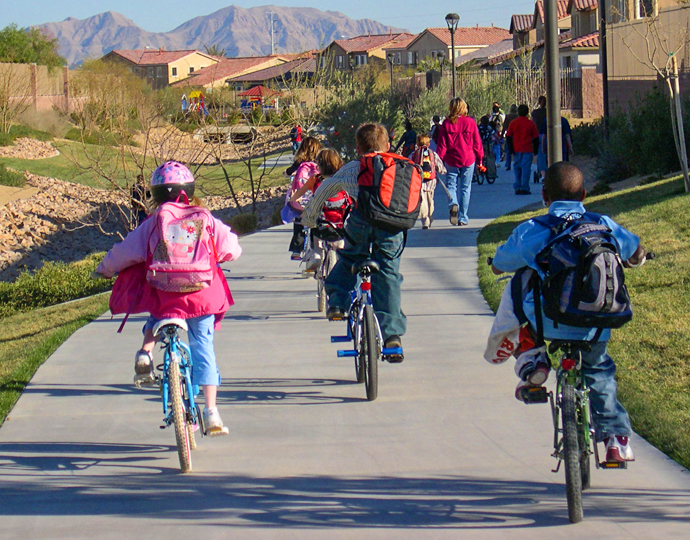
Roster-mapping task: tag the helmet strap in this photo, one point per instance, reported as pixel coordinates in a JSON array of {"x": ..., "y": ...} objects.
[{"x": 186, "y": 199}]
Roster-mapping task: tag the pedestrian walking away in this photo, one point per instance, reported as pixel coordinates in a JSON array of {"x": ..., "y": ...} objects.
[
  {"x": 432, "y": 167},
  {"x": 460, "y": 148},
  {"x": 523, "y": 141}
]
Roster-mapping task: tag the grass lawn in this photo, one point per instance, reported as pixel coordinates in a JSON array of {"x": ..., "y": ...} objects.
[
  {"x": 651, "y": 352},
  {"x": 28, "y": 339},
  {"x": 69, "y": 166}
]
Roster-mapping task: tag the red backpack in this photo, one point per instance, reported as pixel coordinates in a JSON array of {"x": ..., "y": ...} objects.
[
  {"x": 425, "y": 159},
  {"x": 335, "y": 208},
  {"x": 389, "y": 191}
]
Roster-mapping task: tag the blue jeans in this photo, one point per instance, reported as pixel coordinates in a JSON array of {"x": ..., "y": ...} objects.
[
  {"x": 497, "y": 152},
  {"x": 200, "y": 335},
  {"x": 459, "y": 184},
  {"x": 542, "y": 158},
  {"x": 383, "y": 247},
  {"x": 609, "y": 416},
  {"x": 522, "y": 169}
]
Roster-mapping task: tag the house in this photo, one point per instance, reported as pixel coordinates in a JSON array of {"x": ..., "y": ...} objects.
[
  {"x": 216, "y": 75},
  {"x": 481, "y": 56},
  {"x": 346, "y": 54},
  {"x": 300, "y": 70},
  {"x": 161, "y": 68},
  {"x": 435, "y": 43},
  {"x": 522, "y": 30},
  {"x": 397, "y": 52},
  {"x": 582, "y": 50},
  {"x": 562, "y": 14},
  {"x": 627, "y": 77}
]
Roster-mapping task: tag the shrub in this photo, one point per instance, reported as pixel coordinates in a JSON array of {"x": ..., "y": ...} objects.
[
  {"x": 588, "y": 138},
  {"x": 52, "y": 284},
  {"x": 276, "y": 218},
  {"x": 11, "y": 178},
  {"x": 244, "y": 223}
]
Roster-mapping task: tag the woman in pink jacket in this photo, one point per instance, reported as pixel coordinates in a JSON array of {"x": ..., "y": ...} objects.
[
  {"x": 202, "y": 309},
  {"x": 460, "y": 147}
]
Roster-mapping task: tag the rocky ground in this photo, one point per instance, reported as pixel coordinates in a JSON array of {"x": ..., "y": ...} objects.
[{"x": 64, "y": 221}]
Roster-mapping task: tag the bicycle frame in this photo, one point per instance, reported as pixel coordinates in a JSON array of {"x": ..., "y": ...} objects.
[
  {"x": 177, "y": 355},
  {"x": 362, "y": 297}
]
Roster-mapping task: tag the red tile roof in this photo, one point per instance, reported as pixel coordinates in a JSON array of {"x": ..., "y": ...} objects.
[
  {"x": 561, "y": 9},
  {"x": 367, "y": 43},
  {"x": 148, "y": 57},
  {"x": 401, "y": 43},
  {"x": 223, "y": 70},
  {"x": 468, "y": 36},
  {"x": 582, "y": 5},
  {"x": 521, "y": 23},
  {"x": 587, "y": 41},
  {"x": 562, "y": 38},
  {"x": 258, "y": 91}
]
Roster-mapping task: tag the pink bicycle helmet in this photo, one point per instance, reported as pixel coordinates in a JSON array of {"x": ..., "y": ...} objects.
[{"x": 170, "y": 180}]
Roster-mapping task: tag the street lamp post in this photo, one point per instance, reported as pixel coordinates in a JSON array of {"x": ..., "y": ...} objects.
[
  {"x": 553, "y": 83},
  {"x": 391, "y": 60},
  {"x": 452, "y": 20}
]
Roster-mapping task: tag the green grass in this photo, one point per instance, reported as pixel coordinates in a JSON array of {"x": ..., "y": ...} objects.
[
  {"x": 651, "y": 352},
  {"x": 28, "y": 339},
  {"x": 72, "y": 165},
  {"x": 11, "y": 178}
]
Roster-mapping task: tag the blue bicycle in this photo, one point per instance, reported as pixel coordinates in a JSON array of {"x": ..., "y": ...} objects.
[{"x": 177, "y": 390}]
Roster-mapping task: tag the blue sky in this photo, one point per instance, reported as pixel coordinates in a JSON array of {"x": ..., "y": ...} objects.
[{"x": 162, "y": 15}]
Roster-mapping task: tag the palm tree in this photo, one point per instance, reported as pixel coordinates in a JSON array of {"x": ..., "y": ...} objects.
[{"x": 214, "y": 50}]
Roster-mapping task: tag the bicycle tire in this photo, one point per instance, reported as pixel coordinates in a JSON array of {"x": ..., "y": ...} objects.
[
  {"x": 585, "y": 471},
  {"x": 185, "y": 398},
  {"x": 571, "y": 458},
  {"x": 491, "y": 180},
  {"x": 359, "y": 364},
  {"x": 480, "y": 178},
  {"x": 370, "y": 353},
  {"x": 320, "y": 295},
  {"x": 179, "y": 418}
]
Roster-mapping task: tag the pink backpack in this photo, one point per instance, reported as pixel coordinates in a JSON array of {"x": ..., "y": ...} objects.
[{"x": 183, "y": 258}]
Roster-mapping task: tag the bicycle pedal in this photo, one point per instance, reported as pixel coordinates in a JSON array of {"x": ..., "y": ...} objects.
[
  {"x": 613, "y": 465},
  {"x": 534, "y": 394},
  {"x": 392, "y": 355},
  {"x": 346, "y": 354},
  {"x": 146, "y": 380},
  {"x": 218, "y": 432},
  {"x": 340, "y": 339}
]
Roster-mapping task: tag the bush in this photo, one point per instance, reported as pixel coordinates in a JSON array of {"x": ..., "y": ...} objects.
[
  {"x": 276, "y": 218},
  {"x": 244, "y": 223},
  {"x": 52, "y": 284},
  {"x": 588, "y": 138},
  {"x": 17, "y": 131},
  {"x": 11, "y": 178}
]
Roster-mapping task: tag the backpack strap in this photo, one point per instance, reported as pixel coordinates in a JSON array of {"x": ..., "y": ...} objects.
[{"x": 517, "y": 297}]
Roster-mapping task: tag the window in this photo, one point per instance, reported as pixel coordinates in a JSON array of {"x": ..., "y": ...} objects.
[
  {"x": 159, "y": 71},
  {"x": 593, "y": 21},
  {"x": 410, "y": 57},
  {"x": 644, "y": 8},
  {"x": 339, "y": 61},
  {"x": 173, "y": 72},
  {"x": 398, "y": 58},
  {"x": 576, "y": 25},
  {"x": 151, "y": 72},
  {"x": 191, "y": 69}
]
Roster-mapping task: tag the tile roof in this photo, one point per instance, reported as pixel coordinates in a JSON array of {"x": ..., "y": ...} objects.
[
  {"x": 561, "y": 9},
  {"x": 401, "y": 43},
  {"x": 258, "y": 91},
  {"x": 224, "y": 69},
  {"x": 301, "y": 65},
  {"x": 367, "y": 43},
  {"x": 495, "y": 49},
  {"x": 588, "y": 41},
  {"x": 521, "y": 23},
  {"x": 582, "y": 5},
  {"x": 564, "y": 37},
  {"x": 149, "y": 57},
  {"x": 468, "y": 36}
]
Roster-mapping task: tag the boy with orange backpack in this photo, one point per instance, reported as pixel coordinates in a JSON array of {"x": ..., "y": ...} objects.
[{"x": 432, "y": 166}]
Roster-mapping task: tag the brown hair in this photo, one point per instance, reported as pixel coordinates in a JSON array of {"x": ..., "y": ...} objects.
[
  {"x": 153, "y": 204},
  {"x": 329, "y": 161},
  {"x": 457, "y": 108},
  {"x": 308, "y": 150},
  {"x": 371, "y": 138},
  {"x": 423, "y": 140},
  {"x": 564, "y": 182}
]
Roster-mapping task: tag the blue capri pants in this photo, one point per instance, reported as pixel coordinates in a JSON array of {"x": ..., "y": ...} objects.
[{"x": 200, "y": 334}]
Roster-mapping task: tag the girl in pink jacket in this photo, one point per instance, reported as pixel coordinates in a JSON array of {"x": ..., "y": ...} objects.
[{"x": 181, "y": 234}]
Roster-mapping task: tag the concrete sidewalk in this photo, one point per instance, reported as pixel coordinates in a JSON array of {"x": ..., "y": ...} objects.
[{"x": 444, "y": 452}]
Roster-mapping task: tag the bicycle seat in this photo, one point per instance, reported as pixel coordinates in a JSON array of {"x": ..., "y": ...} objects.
[
  {"x": 180, "y": 323},
  {"x": 368, "y": 267},
  {"x": 556, "y": 344}
]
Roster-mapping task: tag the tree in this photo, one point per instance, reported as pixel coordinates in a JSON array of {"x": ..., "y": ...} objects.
[
  {"x": 30, "y": 46},
  {"x": 214, "y": 50}
]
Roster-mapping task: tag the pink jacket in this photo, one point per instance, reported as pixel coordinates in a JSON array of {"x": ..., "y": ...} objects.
[
  {"x": 306, "y": 170},
  {"x": 459, "y": 143},
  {"x": 133, "y": 294}
]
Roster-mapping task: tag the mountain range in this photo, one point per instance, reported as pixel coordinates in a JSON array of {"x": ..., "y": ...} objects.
[{"x": 239, "y": 31}]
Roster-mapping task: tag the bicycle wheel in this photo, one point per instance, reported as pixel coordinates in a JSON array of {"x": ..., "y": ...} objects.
[
  {"x": 179, "y": 418},
  {"x": 185, "y": 398},
  {"x": 490, "y": 179},
  {"x": 583, "y": 425},
  {"x": 573, "y": 477},
  {"x": 359, "y": 363},
  {"x": 370, "y": 353}
]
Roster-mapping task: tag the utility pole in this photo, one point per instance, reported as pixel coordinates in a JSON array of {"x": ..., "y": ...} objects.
[
  {"x": 273, "y": 48},
  {"x": 553, "y": 84}
]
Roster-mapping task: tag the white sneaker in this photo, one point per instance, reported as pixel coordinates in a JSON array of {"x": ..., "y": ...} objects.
[
  {"x": 143, "y": 369},
  {"x": 618, "y": 449},
  {"x": 213, "y": 424}
]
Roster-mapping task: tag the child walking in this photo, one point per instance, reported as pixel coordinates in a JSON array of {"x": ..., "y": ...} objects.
[
  {"x": 177, "y": 235},
  {"x": 432, "y": 166}
]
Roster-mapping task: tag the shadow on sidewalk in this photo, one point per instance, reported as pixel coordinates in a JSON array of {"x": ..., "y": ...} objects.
[{"x": 311, "y": 502}]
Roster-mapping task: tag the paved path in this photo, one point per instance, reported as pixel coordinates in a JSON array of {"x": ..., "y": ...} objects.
[{"x": 444, "y": 452}]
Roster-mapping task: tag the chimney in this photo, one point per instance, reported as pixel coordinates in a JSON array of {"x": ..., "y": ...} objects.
[{"x": 477, "y": 26}]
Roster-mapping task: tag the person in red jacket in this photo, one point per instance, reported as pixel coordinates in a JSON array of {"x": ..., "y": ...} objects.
[
  {"x": 460, "y": 148},
  {"x": 523, "y": 143}
]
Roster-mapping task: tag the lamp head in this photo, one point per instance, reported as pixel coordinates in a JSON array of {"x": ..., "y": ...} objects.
[{"x": 452, "y": 20}]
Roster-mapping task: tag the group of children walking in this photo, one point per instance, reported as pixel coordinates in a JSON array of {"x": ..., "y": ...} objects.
[{"x": 169, "y": 266}]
